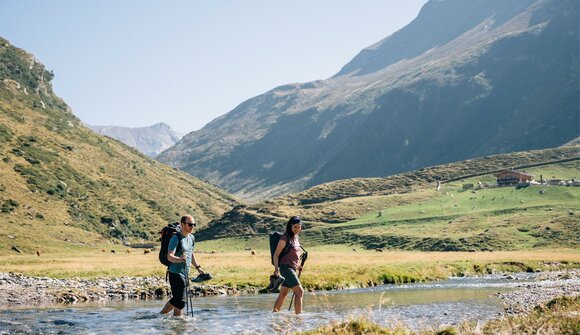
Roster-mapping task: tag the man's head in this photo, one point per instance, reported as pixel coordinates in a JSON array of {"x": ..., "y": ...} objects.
[{"x": 187, "y": 223}]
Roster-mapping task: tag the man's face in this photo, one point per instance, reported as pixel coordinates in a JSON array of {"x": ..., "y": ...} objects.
[{"x": 188, "y": 225}]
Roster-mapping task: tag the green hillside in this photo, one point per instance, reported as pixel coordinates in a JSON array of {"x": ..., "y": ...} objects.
[
  {"x": 64, "y": 186},
  {"x": 415, "y": 216}
]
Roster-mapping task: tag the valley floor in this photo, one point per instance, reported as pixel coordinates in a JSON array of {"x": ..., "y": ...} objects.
[{"x": 65, "y": 279}]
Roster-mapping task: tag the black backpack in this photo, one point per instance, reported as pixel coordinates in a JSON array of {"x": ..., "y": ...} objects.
[
  {"x": 274, "y": 239},
  {"x": 166, "y": 234}
]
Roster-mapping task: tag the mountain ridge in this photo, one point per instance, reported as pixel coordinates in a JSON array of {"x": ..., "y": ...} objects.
[{"x": 507, "y": 84}]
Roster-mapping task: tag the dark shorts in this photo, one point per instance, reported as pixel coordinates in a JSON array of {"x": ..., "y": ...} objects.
[
  {"x": 178, "y": 291},
  {"x": 290, "y": 276}
]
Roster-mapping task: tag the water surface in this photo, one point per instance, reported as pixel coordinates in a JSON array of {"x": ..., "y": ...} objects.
[{"x": 417, "y": 305}]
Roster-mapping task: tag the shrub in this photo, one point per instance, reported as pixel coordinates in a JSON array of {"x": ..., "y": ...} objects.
[
  {"x": 5, "y": 134},
  {"x": 9, "y": 206}
]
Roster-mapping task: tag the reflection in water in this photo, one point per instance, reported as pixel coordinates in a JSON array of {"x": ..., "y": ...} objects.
[{"x": 415, "y": 305}]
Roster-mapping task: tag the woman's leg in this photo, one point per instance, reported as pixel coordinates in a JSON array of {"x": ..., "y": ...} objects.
[
  {"x": 280, "y": 300},
  {"x": 298, "y": 294},
  {"x": 167, "y": 308}
]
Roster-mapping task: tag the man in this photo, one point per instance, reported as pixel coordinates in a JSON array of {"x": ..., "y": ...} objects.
[{"x": 181, "y": 258}]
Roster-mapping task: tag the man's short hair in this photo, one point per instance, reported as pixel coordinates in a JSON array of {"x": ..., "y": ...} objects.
[{"x": 184, "y": 218}]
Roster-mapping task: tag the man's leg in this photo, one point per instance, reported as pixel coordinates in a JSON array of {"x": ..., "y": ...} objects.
[
  {"x": 280, "y": 300},
  {"x": 177, "y": 301}
]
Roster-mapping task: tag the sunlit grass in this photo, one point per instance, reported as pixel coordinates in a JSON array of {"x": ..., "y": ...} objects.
[{"x": 323, "y": 270}]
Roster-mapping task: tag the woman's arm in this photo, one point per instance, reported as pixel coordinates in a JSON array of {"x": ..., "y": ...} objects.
[{"x": 279, "y": 248}]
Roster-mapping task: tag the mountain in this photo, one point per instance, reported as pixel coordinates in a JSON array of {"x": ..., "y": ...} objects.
[
  {"x": 464, "y": 79},
  {"x": 148, "y": 140},
  {"x": 63, "y": 185}
]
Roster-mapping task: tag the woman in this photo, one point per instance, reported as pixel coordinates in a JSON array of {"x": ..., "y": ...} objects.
[{"x": 287, "y": 265}]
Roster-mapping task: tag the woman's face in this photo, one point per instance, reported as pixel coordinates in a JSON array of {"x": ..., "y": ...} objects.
[{"x": 296, "y": 228}]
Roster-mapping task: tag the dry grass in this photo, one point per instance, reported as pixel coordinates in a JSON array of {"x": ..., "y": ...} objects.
[{"x": 324, "y": 269}]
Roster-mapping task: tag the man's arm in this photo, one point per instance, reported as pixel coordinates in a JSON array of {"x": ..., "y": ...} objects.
[
  {"x": 171, "y": 252},
  {"x": 195, "y": 263}
]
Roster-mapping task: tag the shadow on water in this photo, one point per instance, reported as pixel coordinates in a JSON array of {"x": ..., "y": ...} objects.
[{"x": 415, "y": 305}]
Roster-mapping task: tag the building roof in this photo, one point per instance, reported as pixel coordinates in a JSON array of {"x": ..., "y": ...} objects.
[{"x": 520, "y": 173}]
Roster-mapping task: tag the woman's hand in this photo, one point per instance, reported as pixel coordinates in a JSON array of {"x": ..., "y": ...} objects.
[{"x": 276, "y": 272}]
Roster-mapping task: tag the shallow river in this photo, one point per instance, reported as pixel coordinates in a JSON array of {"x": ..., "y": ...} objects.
[{"x": 416, "y": 305}]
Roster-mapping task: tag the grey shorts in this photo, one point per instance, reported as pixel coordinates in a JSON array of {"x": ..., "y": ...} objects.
[{"x": 290, "y": 276}]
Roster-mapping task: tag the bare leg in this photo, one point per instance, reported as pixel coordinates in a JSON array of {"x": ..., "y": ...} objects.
[
  {"x": 280, "y": 300},
  {"x": 298, "y": 295},
  {"x": 167, "y": 308}
]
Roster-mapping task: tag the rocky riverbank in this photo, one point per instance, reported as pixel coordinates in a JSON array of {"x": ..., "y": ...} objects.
[
  {"x": 548, "y": 286},
  {"x": 19, "y": 290}
]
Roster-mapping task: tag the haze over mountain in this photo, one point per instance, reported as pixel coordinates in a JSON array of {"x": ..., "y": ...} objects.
[
  {"x": 464, "y": 79},
  {"x": 148, "y": 140},
  {"x": 62, "y": 184}
]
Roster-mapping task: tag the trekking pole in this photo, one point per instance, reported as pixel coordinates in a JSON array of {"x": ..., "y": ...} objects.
[
  {"x": 303, "y": 258},
  {"x": 189, "y": 298},
  {"x": 186, "y": 292}
]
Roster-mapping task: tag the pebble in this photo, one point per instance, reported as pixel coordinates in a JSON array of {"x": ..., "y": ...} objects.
[
  {"x": 550, "y": 285},
  {"x": 18, "y": 289}
]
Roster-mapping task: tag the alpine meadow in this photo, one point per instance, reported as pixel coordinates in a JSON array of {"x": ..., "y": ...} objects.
[{"x": 430, "y": 186}]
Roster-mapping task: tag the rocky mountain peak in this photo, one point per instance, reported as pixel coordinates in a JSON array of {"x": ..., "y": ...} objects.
[
  {"x": 149, "y": 140},
  {"x": 464, "y": 79},
  {"x": 438, "y": 23}
]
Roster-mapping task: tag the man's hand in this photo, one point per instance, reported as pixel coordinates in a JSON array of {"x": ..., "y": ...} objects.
[{"x": 183, "y": 258}]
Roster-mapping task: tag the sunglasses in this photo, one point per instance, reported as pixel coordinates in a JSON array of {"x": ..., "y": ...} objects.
[{"x": 191, "y": 224}]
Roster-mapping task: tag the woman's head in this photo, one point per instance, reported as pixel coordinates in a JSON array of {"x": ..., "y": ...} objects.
[{"x": 294, "y": 226}]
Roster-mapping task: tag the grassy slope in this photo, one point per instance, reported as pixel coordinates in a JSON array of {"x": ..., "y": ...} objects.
[
  {"x": 420, "y": 218},
  {"x": 63, "y": 186}
]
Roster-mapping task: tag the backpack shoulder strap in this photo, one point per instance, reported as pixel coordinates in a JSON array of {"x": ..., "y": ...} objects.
[
  {"x": 287, "y": 246},
  {"x": 179, "y": 246}
]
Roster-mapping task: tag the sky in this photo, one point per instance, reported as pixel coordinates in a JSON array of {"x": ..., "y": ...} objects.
[{"x": 135, "y": 63}]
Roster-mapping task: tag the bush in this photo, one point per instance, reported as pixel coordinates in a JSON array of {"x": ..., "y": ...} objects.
[
  {"x": 9, "y": 206},
  {"x": 5, "y": 134}
]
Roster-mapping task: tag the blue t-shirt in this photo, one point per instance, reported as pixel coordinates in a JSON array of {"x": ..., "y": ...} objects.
[{"x": 186, "y": 248}]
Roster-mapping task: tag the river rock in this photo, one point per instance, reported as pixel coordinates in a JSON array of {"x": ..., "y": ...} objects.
[{"x": 17, "y": 289}]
